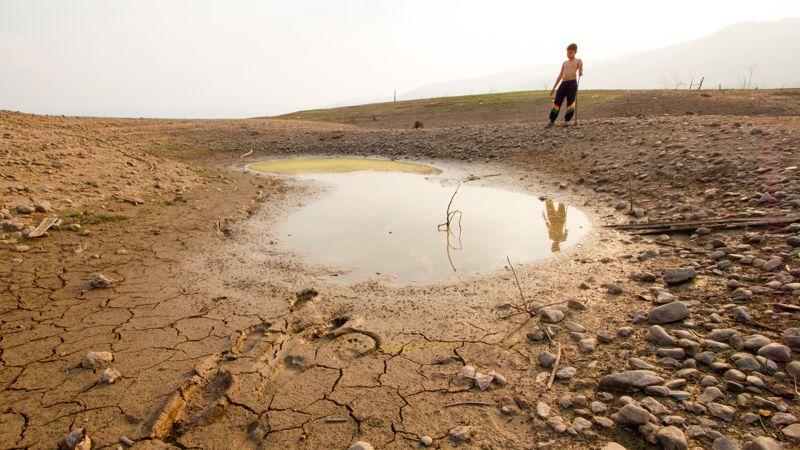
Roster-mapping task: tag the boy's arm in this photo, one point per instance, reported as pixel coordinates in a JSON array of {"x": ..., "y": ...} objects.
[
  {"x": 580, "y": 68},
  {"x": 558, "y": 80}
]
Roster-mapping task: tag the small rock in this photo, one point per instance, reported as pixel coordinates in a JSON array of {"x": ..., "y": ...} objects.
[
  {"x": 625, "y": 332},
  {"x": 724, "y": 444},
  {"x": 671, "y": 312},
  {"x": 483, "y": 382},
  {"x": 467, "y": 372},
  {"x": 546, "y": 359},
  {"x": 680, "y": 275},
  {"x": 426, "y": 441},
  {"x": 76, "y": 440},
  {"x": 742, "y": 294},
  {"x": 100, "y": 281},
  {"x": 566, "y": 373},
  {"x": 631, "y": 415},
  {"x": 557, "y": 424},
  {"x": 613, "y": 446},
  {"x": 587, "y": 345},
  {"x": 791, "y": 337},
  {"x": 580, "y": 424},
  {"x": 93, "y": 360},
  {"x": 577, "y": 305},
  {"x": 551, "y": 315},
  {"x": 543, "y": 410},
  {"x": 498, "y": 379},
  {"x": 792, "y": 431},
  {"x": 765, "y": 443},
  {"x": 721, "y": 411},
  {"x": 361, "y": 445},
  {"x": 672, "y": 438},
  {"x": 629, "y": 381},
  {"x": 613, "y": 289},
  {"x": 536, "y": 334},
  {"x": 659, "y": 336},
  {"x": 461, "y": 433},
  {"x": 775, "y": 352},
  {"x": 43, "y": 206},
  {"x": 110, "y": 375},
  {"x": 772, "y": 265}
]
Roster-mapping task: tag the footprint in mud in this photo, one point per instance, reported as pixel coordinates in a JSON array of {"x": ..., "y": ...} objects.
[
  {"x": 206, "y": 405},
  {"x": 203, "y": 399}
]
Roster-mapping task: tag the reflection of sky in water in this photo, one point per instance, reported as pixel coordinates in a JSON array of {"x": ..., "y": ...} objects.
[{"x": 387, "y": 222}]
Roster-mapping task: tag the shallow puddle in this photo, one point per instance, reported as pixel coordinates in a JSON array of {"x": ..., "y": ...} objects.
[{"x": 395, "y": 223}]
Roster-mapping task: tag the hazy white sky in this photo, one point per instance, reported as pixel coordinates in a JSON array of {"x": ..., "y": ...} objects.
[{"x": 240, "y": 58}]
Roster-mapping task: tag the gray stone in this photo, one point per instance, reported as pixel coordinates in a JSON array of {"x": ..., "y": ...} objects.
[
  {"x": 557, "y": 424},
  {"x": 781, "y": 419},
  {"x": 659, "y": 336},
  {"x": 775, "y": 352},
  {"x": 546, "y": 359},
  {"x": 613, "y": 289},
  {"x": 426, "y": 441},
  {"x": 459, "y": 434},
  {"x": 724, "y": 444},
  {"x": 671, "y": 312},
  {"x": 742, "y": 294},
  {"x": 625, "y": 332},
  {"x": 566, "y": 373},
  {"x": 792, "y": 432},
  {"x": 672, "y": 438},
  {"x": 587, "y": 345},
  {"x": 680, "y": 275},
  {"x": 755, "y": 342},
  {"x": 551, "y": 315},
  {"x": 710, "y": 394},
  {"x": 772, "y": 265},
  {"x": 637, "y": 363},
  {"x": 630, "y": 380},
  {"x": 631, "y": 415},
  {"x": 791, "y": 337},
  {"x": 765, "y": 443},
  {"x": 721, "y": 411}
]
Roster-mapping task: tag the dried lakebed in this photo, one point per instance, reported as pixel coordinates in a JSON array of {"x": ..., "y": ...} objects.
[{"x": 411, "y": 223}]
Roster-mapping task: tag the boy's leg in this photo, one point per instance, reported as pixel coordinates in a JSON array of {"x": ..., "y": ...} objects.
[
  {"x": 560, "y": 94},
  {"x": 572, "y": 96}
]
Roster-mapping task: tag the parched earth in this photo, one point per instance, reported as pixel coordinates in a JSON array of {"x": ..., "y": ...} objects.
[{"x": 165, "y": 255}]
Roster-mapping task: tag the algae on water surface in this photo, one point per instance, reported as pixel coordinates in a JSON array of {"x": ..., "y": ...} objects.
[{"x": 339, "y": 165}]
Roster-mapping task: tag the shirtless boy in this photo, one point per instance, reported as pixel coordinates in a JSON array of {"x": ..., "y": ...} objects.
[{"x": 570, "y": 70}]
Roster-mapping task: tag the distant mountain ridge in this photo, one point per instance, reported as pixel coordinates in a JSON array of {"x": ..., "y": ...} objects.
[{"x": 762, "y": 54}]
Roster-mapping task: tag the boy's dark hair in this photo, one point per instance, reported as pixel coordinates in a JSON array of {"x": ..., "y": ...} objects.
[{"x": 573, "y": 47}]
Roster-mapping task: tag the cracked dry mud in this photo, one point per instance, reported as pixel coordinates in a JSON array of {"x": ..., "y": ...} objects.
[{"x": 224, "y": 341}]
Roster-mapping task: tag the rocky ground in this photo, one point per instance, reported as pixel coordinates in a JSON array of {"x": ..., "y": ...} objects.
[{"x": 158, "y": 311}]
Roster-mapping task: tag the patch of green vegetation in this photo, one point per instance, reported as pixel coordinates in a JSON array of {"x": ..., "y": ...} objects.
[
  {"x": 328, "y": 165},
  {"x": 16, "y": 123},
  {"x": 443, "y": 105},
  {"x": 94, "y": 217}
]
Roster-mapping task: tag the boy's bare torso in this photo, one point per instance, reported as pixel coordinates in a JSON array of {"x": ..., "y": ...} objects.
[{"x": 570, "y": 69}]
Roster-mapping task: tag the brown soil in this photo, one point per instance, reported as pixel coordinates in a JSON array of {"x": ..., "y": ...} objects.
[{"x": 225, "y": 341}]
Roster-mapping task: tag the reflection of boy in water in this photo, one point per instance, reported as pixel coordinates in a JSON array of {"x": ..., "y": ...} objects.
[{"x": 556, "y": 222}]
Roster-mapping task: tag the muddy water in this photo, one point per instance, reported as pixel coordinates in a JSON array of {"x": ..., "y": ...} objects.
[{"x": 395, "y": 224}]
